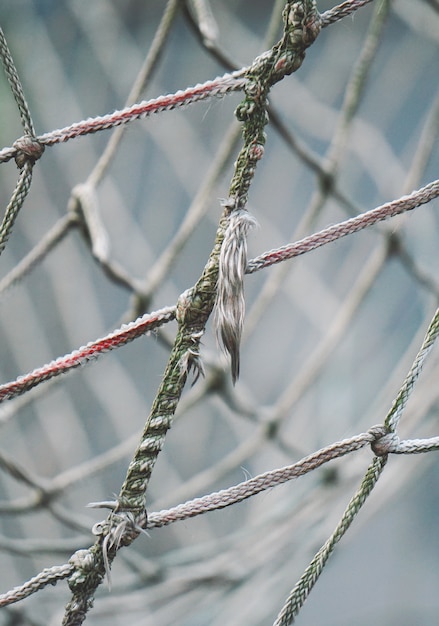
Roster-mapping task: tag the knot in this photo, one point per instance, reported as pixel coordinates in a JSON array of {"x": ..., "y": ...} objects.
[
  {"x": 384, "y": 442},
  {"x": 84, "y": 563},
  {"x": 120, "y": 529},
  {"x": 303, "y": 23},
  {"x": 29, "y": 150},
  {"x": 183, "y": 305}
]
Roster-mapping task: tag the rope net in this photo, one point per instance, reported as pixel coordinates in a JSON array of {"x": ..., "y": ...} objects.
[{"x": 158, "y": 159}]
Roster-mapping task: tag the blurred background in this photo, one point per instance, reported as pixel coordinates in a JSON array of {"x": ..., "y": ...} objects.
[{"x": 328, "y": 337}]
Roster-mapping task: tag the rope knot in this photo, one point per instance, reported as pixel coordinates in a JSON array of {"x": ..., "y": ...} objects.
[
  {"x": 29, "y": 150},
  {"x": 121, "y": 528},
  {"x": 84, "y": 563},
  {"x": 384, "y": 442}
]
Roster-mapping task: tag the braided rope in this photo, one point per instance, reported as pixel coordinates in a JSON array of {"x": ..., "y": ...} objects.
[
  {"x": 273, "y": 478},
  {"x": 386, "y": 442},
  {"x": 195, "y": 305},
  {"x": 394, "y": 415},
  {"x": 15, "y": 203},
  {"x": 83, "y": 355},
  {"x": 16, "y": 88},
  {"x": 49, "y": 576},
  {"x": 299, "y": 594},
  {"x": 342, "y": 10},
  {"x": 301, "y": 28},
  {"x": 381, "y": 443},
  {"x": 27, "y": 149},
  {"x": 217, "y": 87},
  {"x": 347, "y": 227},
  {"x": 122, "y": 528}
]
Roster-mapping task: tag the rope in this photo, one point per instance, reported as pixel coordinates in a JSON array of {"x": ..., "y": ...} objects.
[
  {"x": 16, "y": 88},
  {"x": 342, "y": 10},
  {"x": 394, "y": 415},
  {"x": 15, "y": 203},
  {"x": 298, "y": 595},
  {"x": 221, "y": 284},
  {"x": 348, "y": 227},
  {"x": 49, "y": 576},
  {"x": 93, "y": 350},
  {"x": 217, "y": 87},
  {"x": 26, "y": 150},
  {"x": 268, "y": 480},
  {"x": 381, "y": 443}
]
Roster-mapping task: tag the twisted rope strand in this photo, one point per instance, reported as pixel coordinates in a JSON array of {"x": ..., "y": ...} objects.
[
  {"x": 15, "y": 203},
  {"x": 347, "y": 227},
  {"x": 92, "y": 350},
  {"x": 49, "y": 576},
  {"x": 342, "y": 10},
  {"x": 394, "y": 415},
  {"x": 301, "y": 28},
  {"x": 303, "y": 587},
  {"x": 26, "y": 150},
  {"x": 193, "y": 310},
  {"x": 217, "y": 87},
  {"x": 249, "y": 488},
  {"x": 16, "y": 87},
  {"x": 382, "y": 444}
]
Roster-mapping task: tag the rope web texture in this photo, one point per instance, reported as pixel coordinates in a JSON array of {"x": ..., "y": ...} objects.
[{"x": 319, "y": 355}]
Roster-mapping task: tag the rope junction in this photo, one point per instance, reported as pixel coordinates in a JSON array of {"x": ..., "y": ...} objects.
[{"x": 219, "y": 289}]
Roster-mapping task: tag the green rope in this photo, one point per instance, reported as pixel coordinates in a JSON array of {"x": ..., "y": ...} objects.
[
  {"x": 301, "y": 26},
  {"x": 304, "y": 586},
  {"x": 392, "y": 419}
]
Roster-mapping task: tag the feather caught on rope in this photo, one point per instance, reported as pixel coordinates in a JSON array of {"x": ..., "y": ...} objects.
[{"x": 230, "y": 303}]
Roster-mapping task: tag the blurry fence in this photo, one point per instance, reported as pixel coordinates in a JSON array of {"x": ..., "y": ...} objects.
[{"x": 148, "y": 232}]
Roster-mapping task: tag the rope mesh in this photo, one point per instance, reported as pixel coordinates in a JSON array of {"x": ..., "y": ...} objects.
[{"x": 140, "y": 235}]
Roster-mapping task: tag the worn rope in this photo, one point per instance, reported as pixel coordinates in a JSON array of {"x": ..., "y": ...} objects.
[
  {"x": 386, "y": 442},
  {"x": 273, "y": 478},
  {"x": 301, "y": 27},
  {"x": 15, "y": 203},
  {"x": 193, "y": 310},
  {"x": 226, "y": 267},
  {"x": 94, "y": 349},
  {"x": 382, "y": 443},
  {"x": 16, "y": 87},
  {"x": 347, "y": 227},
  {"x": 29, "y": 148},
  {"x": 217, "y": 87},
  {"x": 49, "y": 576}
]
